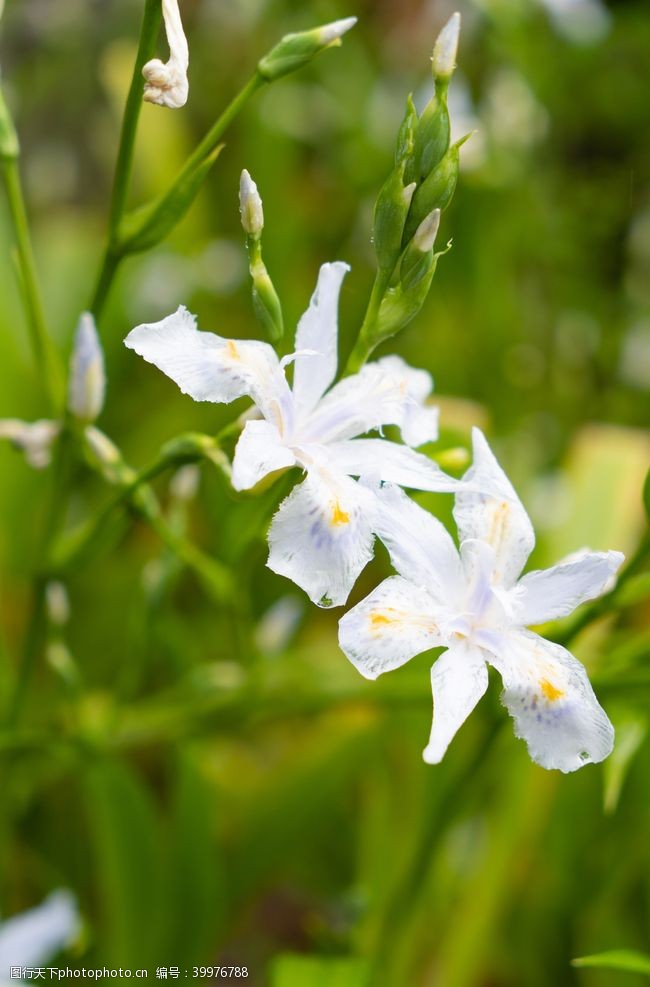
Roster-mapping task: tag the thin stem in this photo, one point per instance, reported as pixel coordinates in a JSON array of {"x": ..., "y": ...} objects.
[
  {"x": 365, "y": 343},
  {"x": 149, "y": 29},
  {"x": 45, "y": 356},
  {"x": 112, "y": 255}
]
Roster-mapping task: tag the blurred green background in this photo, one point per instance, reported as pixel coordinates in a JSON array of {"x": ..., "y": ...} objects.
[{"x": 224, "y": 788}]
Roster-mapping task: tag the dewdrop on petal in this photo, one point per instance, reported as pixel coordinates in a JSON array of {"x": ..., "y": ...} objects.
[
  {"x": 87, "y": 377},
  {"x": 446, "y": 48},
  {"x": 166, "y": 82},
  {"x": 250, "y": 205}
]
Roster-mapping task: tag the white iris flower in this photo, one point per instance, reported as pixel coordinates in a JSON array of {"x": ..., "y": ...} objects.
[
  {"x": 474, "y": 604},
  {"x": 322, "y": 535},
  {"x": 34, "y": 937},
  {"x": 166, "y": 82}
]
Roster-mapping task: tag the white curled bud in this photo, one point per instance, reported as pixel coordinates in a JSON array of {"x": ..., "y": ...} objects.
[
  {"x": 87, "y": 377},
  {"x": 166, "y": 82},
  {"x": 35, "y": 439},
  {"x": 445, "y": 48},
  {"x": 425, "y": 235},
  {"x": 57, "y": 602},
  {"x": 250, "y": 206},
  {"x": 332, "y": 32}
]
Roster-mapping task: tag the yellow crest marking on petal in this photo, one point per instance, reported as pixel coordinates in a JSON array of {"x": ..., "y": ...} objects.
[
  {"x": 499, "y": 523},
  {"x": 231, "y": 349},
  {"x": 550, "y": 691},
  {"x": 381, "y": 619},
  {"x": 338, "y": 515}
]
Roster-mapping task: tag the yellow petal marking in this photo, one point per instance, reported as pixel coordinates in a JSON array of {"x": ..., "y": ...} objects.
[
  {"x": 550, "y": 691},
  {"x": 339, "y": 516},
  {"x": 232, "y": 350},
  {"x": 499, "y": 524}
]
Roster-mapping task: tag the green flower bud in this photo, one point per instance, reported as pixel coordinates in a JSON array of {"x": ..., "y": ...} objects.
[
  {"x": 421, "y": 244},
  {"x": 436, "y": 191},
  {"x": 9, "y": 147},
  {"x": 432, "y": 136},
  {"x": 402, "y": 303},
  {"x": 406, "y": 133},
  {"x": 295, "y": 50},
  {"x": 266, "y": 303},
  {"x": 391, "y": 210}
]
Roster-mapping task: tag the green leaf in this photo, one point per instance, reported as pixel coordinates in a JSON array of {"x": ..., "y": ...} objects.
[
  {"x": 630, "y": 734},
  {"x": 617, "y": 959},
  {"x": 127, "y": 863},
  {"x": 147, "y": 226},
  {"x": 291, "y": 970}
]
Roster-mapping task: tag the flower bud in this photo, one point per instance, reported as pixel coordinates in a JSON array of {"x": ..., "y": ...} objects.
[
  {"x": 166, "y": 82},
  {"x": 250, "y": 206},
  {"x": 87, "y": 377},
  {"x": 9, "y": 147},
  {"x": 35, "y": 439},
  {"x": 446, "y": 48},
  {"x": 185, "y": 482},
  {"x": 425, "y": 235},
  {"x": 57, "y": 602},
  {"x": 104, "y": 456},
  {"x": 406, "y": 134},
  {"x": 266, "y": 303},
  {"x": 391, "y": 210},
  {"x": 436, "y": 191},
  {"x": 295, "y": 50}
]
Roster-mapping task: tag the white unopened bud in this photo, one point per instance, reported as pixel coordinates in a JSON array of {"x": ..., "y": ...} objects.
[
  {"x": 87, "y": 377},
  {"x": 166, "y": 82},
  {"x": 35, "y": 439},
  {"x": 425, "y": 235},
  {"x": 250, "y": 205},
  {"x": 407, "y": 193},
  {"x": 329, "y": 33},
  {"x": 185, "y": 482},
  {"x": 445, "y": 48},
  {"x": 58, "y": 604},
  {"x": 102, "y": 447}
]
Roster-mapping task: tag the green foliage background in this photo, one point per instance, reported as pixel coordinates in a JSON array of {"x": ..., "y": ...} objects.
[{"x": 207, "y": 797}]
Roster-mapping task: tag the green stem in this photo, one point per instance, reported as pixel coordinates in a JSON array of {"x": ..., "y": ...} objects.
[
  {"x": 112, "y": 256},
  {"x": 365, "y": 343},
  {"x": 46, "y": 358},
  {"x": 36, "y": 625},
  {"x": 149, "y": 29}
]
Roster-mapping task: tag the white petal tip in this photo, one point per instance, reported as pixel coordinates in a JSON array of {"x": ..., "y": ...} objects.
[
  {"x": 446, "y": 48},
  {"x": 425, "y": 235},
  {"x": 431, "y": 756},
  {"x": 250, "y": 205},
  {"x": 335, "y": 30}
]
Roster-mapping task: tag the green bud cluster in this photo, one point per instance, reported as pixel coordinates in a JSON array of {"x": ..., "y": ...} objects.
[{"x": 407, "y": 210}]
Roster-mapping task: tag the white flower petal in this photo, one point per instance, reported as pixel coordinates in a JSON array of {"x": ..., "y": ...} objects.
[
  {"x": 489, "y": 510},
  {"x": 389, "y": 627},
  {"x": 420, "y": 421},
  {"x": 379, "y": 459},
  {"x": 87, "y": 376},
  {"x": 166, "y": 82},
  {"x": 321, "y": 536},
  {"x": 550, "y": 593},
  {"x": 385, "y": 393},
  {"x": 318, "y": 332},
  {"x": 420, "y": 547},
  {"x": 33, "y": 937},
  {"x": 458, "y": 680},
  {"x": 259, "y": 451},
  {"x": 35, "y": 439},
  {"x": 550, "y": 698},
  {"x": 210, "y": 368}
]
